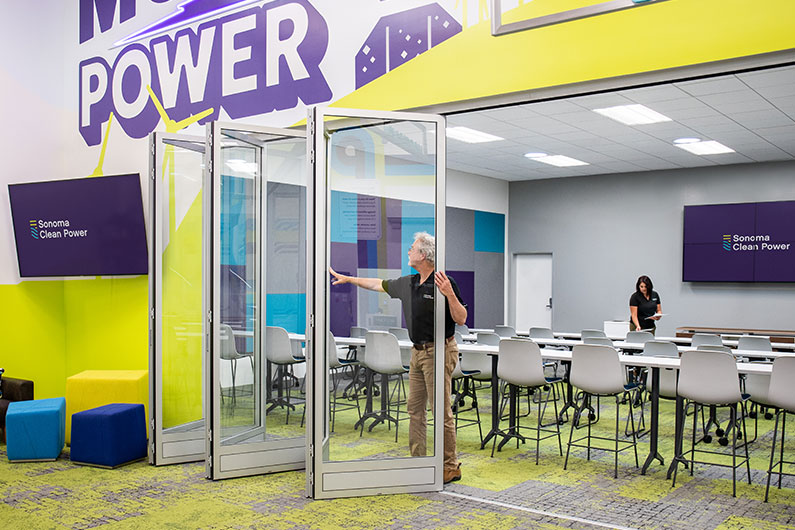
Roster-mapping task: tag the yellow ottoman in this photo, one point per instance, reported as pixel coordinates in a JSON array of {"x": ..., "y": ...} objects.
[{"x": 94, "y": 388}]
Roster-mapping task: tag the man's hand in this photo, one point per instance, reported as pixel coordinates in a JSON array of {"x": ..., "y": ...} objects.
[
  {"x": 443, "y": 284},
  {"x": 338, "y": 278}
]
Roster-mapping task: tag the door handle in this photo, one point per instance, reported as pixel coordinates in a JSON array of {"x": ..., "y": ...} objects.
[{"x": 549, "y": 305}]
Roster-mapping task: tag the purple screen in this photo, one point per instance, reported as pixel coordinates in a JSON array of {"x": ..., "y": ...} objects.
[
  {"x": 748, "y": 242},
  {"x": 79, "y": 227}
]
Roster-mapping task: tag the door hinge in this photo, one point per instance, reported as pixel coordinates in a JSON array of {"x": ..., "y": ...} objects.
[
  {"x": 210, "y": 436},
  {"x": 312, "y": 451},
  {"x": 152, "y": 424},
  {"x": 312, "y": 156},
  {"x": 312, "y": 320},
  {"x": 210, "y": 316},
  {"x": 311, "y": 479},
  {"x": 152, "y": 450},
  {"x": 152, "y": 313}
]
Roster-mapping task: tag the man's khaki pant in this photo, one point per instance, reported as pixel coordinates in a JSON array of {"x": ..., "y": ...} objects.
[{"x": 421, "y": 372}]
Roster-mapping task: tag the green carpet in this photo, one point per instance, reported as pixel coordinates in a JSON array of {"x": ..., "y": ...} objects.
[{"x": 520, "y": 494}]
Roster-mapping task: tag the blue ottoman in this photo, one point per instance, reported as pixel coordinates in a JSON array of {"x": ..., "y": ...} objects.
[
  {"x": 35, "y": 429},
  {"x": 110, "y": 435}
]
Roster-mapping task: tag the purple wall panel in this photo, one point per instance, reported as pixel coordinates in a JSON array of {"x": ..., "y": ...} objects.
[
  {"x": 342, "y": 306},
  {"x": 466, "y": 285},
  {"x": 394, "y": 218}
]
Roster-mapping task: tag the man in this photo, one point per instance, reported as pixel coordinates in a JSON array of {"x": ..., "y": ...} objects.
[{"x": 416, "y": 292}]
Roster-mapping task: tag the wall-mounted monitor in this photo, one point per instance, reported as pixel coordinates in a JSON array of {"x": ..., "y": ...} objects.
[
  {"x": 745, "y": 242},
  {"x": 80, "y": 227}
]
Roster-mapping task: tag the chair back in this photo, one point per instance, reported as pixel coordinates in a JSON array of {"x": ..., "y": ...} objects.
[
  {"x": 541, "y": 333},
  {"x": 754, "y": 342},
  {"x": 591, "y": 333},
  {"x": 383, "y": 353},
  {"x": 709, "y": 377},
  {"x": 596, "y": 369},
  {"x": 477, "y": 362},
  {"x": 715, "y": 347},
  {"x": 782, "y": 392},
  {"x": 520, "y": 363},
  {"x": 667, "y": 382},
  {"x": 333, "y": 358},
  {"x": 228, "y": 346},
  {"x": 601, "y": 341},
  {"x": 700, "y": 339},
  {"x": 660, "y": 348},
  {"x": 639, "y": 337},
  {"x": 358, "y": 332},
  {"x": 488, "y": 338},
  {"x": 400, "y": 333},
  {"x": 278, "y": 348},
  {"x": 505, "y": 332},
  {"x": 758, "y": 387},
  {"x": 458, "y": 338},
  {"x": 462, "y": 328}
]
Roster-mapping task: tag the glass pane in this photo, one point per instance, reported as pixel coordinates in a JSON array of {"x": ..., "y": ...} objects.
[
  {"x": 182, "y": 165},
  {"x": 262, "y": 244},
  {"x": 382, "y": 191},
  {"x": 534, "y": 11}
]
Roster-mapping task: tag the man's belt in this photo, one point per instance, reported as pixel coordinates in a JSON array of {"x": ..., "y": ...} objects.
[{"x": 428, "y": 345}]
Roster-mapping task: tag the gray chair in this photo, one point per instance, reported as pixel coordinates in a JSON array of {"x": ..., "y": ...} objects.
[
  {"x": 601, "y": 341},
  {"x": 781, "y": 395},
  {"x": 462, "y": 329},
  {"x": 520, "y": 366},
  {"x": 540, "y": 333},
  {"x": 229, "y": 353},
  {"x": 659, "y": 348},
  {"x": 337, "y": 364},
  {"x": 639, "y": 337},
  {"x": 710, "y": 378},
  {"x": 700, "y": 339},
  {"x": 714, "y": 347},
  {"x": 505, "y": 332},
  {"x": 596, "y": 371},
  {"x": 384, "y": 359},
  {"x": 405, "y": 352},
  {"x": 592, "y": 333},
  {"x": 754, "y": 342},
  {"x": 463, "y": 388},
  {"x": 280, "y": 351}
]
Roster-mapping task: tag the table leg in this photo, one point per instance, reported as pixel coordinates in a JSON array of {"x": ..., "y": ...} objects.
[
  {"x": 654, "y": 422},
  {"x": 495, "y": 404},
  {"x": 680, "y": 425},
  {"x": 569, "y": 393}
]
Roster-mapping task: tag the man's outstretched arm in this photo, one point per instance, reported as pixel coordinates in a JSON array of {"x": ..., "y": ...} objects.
[{"x": 371, "y": 284}]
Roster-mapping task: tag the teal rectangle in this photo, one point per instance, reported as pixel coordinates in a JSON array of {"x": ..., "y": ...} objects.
[
  {"x": 286, "y": 311},
  {"x": 344, "y": 217},
  {"x": 417, "y": 217},
  {"x": 489, "y": 232}
]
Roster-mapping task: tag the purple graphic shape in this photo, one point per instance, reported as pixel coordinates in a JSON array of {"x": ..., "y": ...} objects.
[
  {"x": 108, "y": 209},
  {"x": 187, "y": 12},
  {"x": 400, "y": 37},
  {"x": 342, "y": 303},
  {"x": 393, "y": 233},
  {"x": 466, "y": 286},
  {"x": 104, "y": 11},
  {"x": 237, "y": 101}
]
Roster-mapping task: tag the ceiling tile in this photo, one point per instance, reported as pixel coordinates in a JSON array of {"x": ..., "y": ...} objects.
[{"x": 718, "y": 85}]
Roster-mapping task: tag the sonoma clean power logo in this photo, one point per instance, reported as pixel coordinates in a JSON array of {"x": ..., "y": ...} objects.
[
  {"x": 741, "y": 242},
  {"x": 57, "y": 229}
]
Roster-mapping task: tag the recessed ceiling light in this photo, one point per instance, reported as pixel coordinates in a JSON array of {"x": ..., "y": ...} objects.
[
  {"x": 632, "y": 114},
  {"x": 709, "y": 147},
  {"x": 687, "y": 140},
  {"x": 470, "y": 136},
  {"x": 556, "y": 160}
]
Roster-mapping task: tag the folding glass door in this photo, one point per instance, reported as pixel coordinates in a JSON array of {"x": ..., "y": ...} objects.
[
  {"x": 177, "y": 431},
  {"x": 378, "y": 178},
  {"x": 255, "y": 299}
]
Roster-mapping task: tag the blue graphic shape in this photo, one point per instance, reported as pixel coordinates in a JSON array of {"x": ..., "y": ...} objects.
[
  {"x": 417, "y": 217},
  {"x": 186, "y": 13},
  {"x": 286, "y": 311},
  {"x": 344, "y": 217},
  {"x": 489, "y": 232},
  {"x": 235, "y": 236}
]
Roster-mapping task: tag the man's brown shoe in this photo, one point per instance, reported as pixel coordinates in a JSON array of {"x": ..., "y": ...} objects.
[{"x": 452, "y": 475}]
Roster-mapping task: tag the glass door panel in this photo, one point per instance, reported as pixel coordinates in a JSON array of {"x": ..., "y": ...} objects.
[
  {"x": 257, "y": 301},
  {"x": 378, "y": 179},
  {"x": 175, "y": 294}
]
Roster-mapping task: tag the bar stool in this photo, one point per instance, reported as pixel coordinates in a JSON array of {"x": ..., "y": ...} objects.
[
  {"x": 781, "y": 395},
  {"x": 596, "y": 371},
  {"x": 710, "y": 378},
  {"x": 520, "y": 366},
  {"x": 279, "y": 351},
  {"x": 463, "y": 380},
  {"x": 505, "y": 332}
]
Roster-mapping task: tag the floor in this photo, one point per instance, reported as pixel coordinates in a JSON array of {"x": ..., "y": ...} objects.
[{"x": 508, "y": 491}]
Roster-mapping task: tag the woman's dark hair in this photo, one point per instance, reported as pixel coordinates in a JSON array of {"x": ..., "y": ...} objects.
[{"x": 647, "y": 281}]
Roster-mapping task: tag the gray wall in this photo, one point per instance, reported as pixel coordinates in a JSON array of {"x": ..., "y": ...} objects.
[{"x": 606, "y": 230}]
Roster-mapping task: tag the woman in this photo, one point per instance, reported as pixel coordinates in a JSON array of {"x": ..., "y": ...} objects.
[{"x": 644, "y": 306}]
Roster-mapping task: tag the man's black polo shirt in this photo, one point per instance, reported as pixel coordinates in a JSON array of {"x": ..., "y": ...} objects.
[{"x": 418, "y": 305}]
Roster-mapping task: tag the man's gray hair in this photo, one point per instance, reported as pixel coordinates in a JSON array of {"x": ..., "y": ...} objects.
[{"x": 425, "y": 243}]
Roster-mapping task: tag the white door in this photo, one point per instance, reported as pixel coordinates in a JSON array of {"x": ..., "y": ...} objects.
[
  {"x": 253, "y": 245},
  {"x": 175, "y": 273},
  {"x": 532, "y": 290},
  {"x": 378, "y": 177}
]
